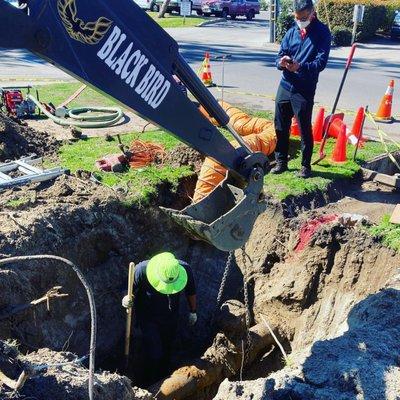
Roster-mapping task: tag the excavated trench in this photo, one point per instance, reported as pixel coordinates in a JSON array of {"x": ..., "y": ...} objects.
[{"x": 325, "y": 287}]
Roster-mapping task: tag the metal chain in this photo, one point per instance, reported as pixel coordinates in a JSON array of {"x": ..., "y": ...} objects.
[
  {"x": 222, "y": 286},
  {"x": 224, "y": 277},
  {"x": 247, "y": 305}
]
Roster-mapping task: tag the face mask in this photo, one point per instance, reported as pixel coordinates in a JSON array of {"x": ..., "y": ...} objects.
[{"x": 303, "y": 24}]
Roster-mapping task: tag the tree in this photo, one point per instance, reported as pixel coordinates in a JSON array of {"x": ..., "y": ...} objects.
[{"x": 163, "y": 9}]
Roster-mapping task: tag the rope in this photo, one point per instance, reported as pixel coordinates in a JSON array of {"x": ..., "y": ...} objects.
[
  {"x": 93, "y": 315},
  {"x": 382, "y": 134},
  {"x": 145, "y": 153}
]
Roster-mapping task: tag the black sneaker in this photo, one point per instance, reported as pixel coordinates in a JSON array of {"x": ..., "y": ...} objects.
[
  {"x": 279, "y": 168},
  {"x": 304, "y": 173}
]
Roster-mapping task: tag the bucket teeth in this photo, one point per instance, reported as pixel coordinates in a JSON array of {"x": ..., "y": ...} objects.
[{"x": 224, "y": 218}]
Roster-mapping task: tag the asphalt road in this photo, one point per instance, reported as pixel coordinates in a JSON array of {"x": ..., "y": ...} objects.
[{"x": 251, "y": 78}]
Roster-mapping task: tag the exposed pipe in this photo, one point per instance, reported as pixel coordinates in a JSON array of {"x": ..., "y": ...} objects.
[{"x": 212, "y": 368}]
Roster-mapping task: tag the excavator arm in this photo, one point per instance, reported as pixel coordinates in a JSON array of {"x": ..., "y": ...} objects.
[{"x": 116, "y": 48}]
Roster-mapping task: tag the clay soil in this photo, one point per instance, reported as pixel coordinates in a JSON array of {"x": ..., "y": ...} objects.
[{"x": 334, "y": 303}]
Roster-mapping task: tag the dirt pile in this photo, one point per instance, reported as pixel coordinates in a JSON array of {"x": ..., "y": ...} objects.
[
  {"x": 59, "y": 382},
  {"x": 184, "y": 155},
  {"x": 335, "y": 310},
  {"x": 91, "y": 226},
  {"x": 17, "y": 140}
]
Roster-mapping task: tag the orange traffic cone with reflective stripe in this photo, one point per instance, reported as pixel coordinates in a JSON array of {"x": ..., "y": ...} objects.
[
  {"x": 356, "y": 131},
  {"x": 339, "y": 152},
  {"x": 295, "y": 129},
  {"x": 384, "y": 113},
  {"x": 206, "y": 76},
  {"x": 318, "y": 128}
]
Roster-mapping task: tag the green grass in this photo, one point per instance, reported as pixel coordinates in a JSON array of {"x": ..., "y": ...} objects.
[
  {"x": 140, "y": 184},
  {"x": 389, "y": 233},
  {"x": 285, "y": 185},
  {"x": 17, "y": 203},
  {"x": 57, "y": 93},
  {"x": 82, "y": 155},
  {"x": 176, "y": 21}
]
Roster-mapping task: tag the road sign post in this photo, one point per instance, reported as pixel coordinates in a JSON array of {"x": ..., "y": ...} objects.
[
  {"x": 358, "y": 16},
  {"x": 186, "y": 10},
  {"x": 272, "y": 21}
]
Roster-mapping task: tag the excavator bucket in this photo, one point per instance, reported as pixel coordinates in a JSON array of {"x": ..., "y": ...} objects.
[{"x": 224, "y": 218}]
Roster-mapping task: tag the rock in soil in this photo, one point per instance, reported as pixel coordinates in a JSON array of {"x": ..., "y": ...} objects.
[{"x": 17, "y": 140}]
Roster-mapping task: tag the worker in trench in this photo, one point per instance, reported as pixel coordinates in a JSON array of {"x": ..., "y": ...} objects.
[
  {"x": 158, "y": 284},
  {"x": 303, "y": 54}
]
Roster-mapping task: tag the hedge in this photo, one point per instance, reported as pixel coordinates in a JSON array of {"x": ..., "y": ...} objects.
[
  {"x": 341, "y": 36},
  {"x": 378, "y": 15},
  {"x": 338, "y": 14}
]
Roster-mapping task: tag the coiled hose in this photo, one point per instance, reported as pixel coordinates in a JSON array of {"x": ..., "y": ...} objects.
[
  {"x": 93, "y": 315},
  {"x": 110, "y": 116}
]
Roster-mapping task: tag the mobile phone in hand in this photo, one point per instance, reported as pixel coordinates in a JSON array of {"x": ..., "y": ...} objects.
[{"x": 290, "y": 61}]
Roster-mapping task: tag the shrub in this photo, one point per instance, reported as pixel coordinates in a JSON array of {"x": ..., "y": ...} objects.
[
  {"x": 378, "y": 15},
  {"x": 285, "y": 19},
  {"x": 264, "y": 5},
  {"x": 341, "y": 36},
  {"x": 284, "y": 23}
]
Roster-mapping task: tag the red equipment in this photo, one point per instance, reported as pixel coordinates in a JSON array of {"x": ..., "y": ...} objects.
[{"x": 13, "y": 101}]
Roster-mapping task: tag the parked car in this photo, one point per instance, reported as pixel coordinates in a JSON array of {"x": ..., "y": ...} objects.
[
  {"x": 147, "y": 4},
  {"x": 395, "y": 31},
  {"x": 233, "y": 8},
  {"x": 175, "y": 5}
]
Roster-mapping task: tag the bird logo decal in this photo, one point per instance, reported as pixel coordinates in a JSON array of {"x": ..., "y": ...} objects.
[{"x": 85, "y": 32}]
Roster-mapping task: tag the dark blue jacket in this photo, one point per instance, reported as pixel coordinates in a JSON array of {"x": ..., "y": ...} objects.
[
  {"x": 152, "y": 306},
  {"x": 312, "y": 53}
]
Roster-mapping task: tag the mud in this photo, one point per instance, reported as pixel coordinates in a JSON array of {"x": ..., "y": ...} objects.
[{"x": 17, "y": 140}]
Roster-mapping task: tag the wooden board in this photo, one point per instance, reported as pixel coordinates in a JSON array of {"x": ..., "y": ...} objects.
[{"x": 395, "y": 218}]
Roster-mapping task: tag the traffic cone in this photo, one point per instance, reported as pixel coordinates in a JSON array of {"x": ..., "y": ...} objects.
[
  {"x": 206, "y": 76},
  {"x": 335, "y": 127},
  {"x": 295, "y": 129},
  {"x": 384, "y": 113},
  {"x": 356, "y": 130},
  {"x": 318, "y": 128},
  {"x": 339, "y": 152}
]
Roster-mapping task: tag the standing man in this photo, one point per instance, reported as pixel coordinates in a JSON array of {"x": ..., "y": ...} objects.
[
  {"x": 157, "y": 286},
  {"x": 303, "y": 55}
]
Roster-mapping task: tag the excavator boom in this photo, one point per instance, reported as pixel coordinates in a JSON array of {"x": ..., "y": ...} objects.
[{"x": 116, "y": 48}]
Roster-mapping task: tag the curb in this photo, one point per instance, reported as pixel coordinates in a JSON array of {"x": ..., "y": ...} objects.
[{"x": 211, "y": 22}]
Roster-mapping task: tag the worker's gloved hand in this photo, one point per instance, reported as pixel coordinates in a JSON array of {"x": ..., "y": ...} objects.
[
  {"x": 126, "y": 302},
  {"x": 192, "y": 318}
]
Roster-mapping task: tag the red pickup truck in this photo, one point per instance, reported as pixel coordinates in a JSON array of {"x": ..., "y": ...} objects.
[{"x": 234, "y": 8}]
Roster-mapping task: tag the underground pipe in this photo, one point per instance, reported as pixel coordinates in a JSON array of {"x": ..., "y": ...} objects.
[{"x": 221, "y": 360}]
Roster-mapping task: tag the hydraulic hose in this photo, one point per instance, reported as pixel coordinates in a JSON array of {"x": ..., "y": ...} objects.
[
  {"x": 110, "y": 116},
  {"x": 93, "y": 315}
]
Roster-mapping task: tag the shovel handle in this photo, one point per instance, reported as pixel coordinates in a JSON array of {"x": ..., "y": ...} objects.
[
  {"x": 131, "y": 275},
  {"x": 351, "y": 55}
]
